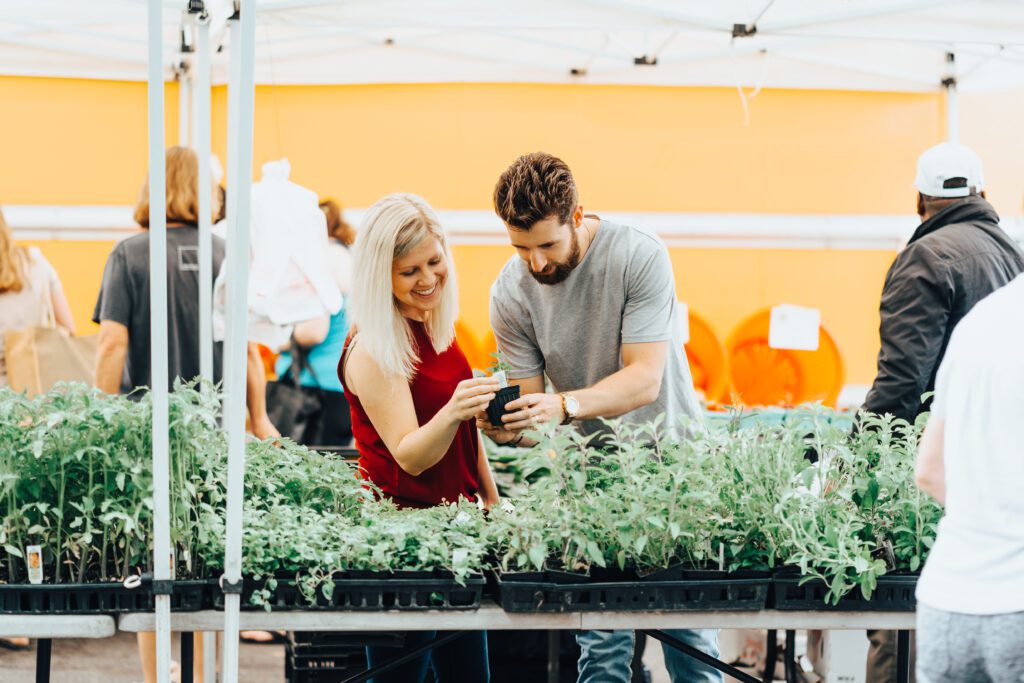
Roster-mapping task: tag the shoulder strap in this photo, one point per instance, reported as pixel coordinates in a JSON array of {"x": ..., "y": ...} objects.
[{"x": 349, "y": 343}]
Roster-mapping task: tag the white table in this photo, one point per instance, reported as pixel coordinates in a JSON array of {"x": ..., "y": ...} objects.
[
  {"x": 45, "y": 627},
  {"x": 492, "y": 618}
]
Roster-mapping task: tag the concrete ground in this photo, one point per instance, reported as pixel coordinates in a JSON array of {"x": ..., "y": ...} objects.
[{"x": 116, "y": 660}]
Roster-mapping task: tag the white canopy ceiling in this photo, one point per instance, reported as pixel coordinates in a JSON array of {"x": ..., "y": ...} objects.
[{"x": 899, "y": 45}]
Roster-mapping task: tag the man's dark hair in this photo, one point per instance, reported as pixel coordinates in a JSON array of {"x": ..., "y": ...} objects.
[
  {"x": 535, "y": 187},
  {"x": 929, "y": 206}
]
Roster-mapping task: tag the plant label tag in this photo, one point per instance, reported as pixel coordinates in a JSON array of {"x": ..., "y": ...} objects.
[
  {"x": 502, "y": 379},
  {"x": 682, "y": 321},
  {"x": 794, "y": 327},
  {"x": 34, "y": 558}
]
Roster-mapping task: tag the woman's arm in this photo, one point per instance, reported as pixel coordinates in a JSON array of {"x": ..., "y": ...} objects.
[
  {"x": 930, "y": 470},
  {"x": 256, "y": 395},
  {"x": 61, "y": 310},
  {"x": 388, "y": 403},
  {"x": 309, "y": 333},
  {"x": 488, "y": 489}
]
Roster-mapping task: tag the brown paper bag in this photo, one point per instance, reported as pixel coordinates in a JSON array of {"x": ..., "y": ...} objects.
[{"x": 38, "y": 357}]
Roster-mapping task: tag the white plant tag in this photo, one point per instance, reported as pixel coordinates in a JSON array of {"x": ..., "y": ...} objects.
[
  {"x": 502, "y": 380},
  {"x": 683, "y": 321},
  {"x": 34, "y": 558},
  {"x": 794, "y": 327}
]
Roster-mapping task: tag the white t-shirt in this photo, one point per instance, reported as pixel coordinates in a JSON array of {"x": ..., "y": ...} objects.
[
  {"x": 28, "y": 307},
  {"x": 977, "y": 564}
]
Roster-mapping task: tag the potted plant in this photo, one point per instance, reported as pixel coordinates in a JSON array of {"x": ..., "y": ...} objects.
[{"x": 506, "y": 394}]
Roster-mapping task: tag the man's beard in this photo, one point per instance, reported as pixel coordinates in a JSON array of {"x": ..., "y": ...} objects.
[{"x": 561, "y": 270}]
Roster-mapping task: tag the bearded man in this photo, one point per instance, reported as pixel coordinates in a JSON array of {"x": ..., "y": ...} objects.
[{"x": 591, "y": 305}]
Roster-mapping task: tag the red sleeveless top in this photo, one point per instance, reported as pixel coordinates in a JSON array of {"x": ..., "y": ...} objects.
[{"x": 432, "y": 386}]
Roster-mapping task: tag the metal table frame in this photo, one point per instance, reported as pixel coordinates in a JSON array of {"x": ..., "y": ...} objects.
[
  {"x": 491, "y": 617},
  {"x": 45, "y": 627}
]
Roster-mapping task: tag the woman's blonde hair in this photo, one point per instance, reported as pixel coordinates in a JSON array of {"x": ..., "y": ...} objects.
[
  {"x": 392, "y": 228},
  {"x": 12, "y": 260},
  {"x": 182, "y": 190}
]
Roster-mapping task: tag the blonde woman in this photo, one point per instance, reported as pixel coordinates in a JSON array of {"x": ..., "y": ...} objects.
[
  {"x": 412, "y": 395},
  {"x": 29, "y": 291}
]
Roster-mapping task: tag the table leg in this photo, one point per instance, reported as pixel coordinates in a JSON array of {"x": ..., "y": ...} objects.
[
  {"x": 702, "y": 656},
  {"x": 902, "y": 656},
  {"x": 554, "y": 656},
  {"x": 789, "y": 659},
  {"x": 771, "y": 653},
  {"x": 187, "y": 652},
  {"x": 43, "y": 649}
]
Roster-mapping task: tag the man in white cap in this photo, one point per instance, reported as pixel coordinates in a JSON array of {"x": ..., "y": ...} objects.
[{"x": 956, "y": 257}]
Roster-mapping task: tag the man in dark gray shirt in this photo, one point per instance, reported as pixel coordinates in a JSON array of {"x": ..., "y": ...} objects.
[{"x": 591, "y": 305}]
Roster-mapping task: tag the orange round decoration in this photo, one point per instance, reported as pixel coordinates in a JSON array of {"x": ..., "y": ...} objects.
[
  {"x": 763, "y": 376},
  {"x": 706, "y": 356}
]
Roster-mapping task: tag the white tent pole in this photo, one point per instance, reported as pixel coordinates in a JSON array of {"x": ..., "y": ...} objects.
[
  {"x": 952, "y": 106},
  {"x": 243, "y": 37},
  {"x": 201, "y": 130},
  {"x": 163, "y": 559}
]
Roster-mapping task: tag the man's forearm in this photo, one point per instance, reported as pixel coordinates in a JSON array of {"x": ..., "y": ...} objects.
[
  {"x": 110, "y": 368},
  {"x": 632, "y": 387}
]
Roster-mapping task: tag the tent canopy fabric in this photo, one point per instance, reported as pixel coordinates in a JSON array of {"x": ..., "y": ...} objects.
[{"x": 884, "y": 45}]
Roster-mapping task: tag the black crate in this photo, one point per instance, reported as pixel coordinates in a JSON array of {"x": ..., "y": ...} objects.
[
  {"x": 341, "y": 640},
  {"x": 373, "y": 591},
  {"x": 670, "y": 590},
  {"x": 95, "y": 598},
  {"x": 894, "y": 593}
]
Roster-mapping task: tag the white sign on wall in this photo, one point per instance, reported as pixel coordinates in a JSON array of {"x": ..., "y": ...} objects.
[{"x": 794, "y": 327}]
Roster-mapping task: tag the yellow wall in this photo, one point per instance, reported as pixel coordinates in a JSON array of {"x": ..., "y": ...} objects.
[{"x": 631, "y": 148}]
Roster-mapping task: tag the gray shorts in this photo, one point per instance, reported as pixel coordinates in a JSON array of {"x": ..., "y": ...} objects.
[{"x": 969, "y": 648}]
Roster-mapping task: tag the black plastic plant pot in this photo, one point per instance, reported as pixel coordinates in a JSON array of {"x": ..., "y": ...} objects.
[
  {"x": 496, "y": 408},
  {"x": 372, "y": 591},
  {"x": 95, "y": 598},
  {"x": 894, "y": 593},
  {"x": 553, "y": 591}
]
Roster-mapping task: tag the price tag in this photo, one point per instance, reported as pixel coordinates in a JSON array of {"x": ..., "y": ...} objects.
[
  {"x": 34, "y": 558},
  {"x": 794, "y": 327},
  {"x": 682, "y": 321}
]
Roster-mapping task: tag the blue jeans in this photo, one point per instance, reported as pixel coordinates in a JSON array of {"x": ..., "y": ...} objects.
[
  {"x": 606, "y": 656},
  {"x": 463, "y": 660}
]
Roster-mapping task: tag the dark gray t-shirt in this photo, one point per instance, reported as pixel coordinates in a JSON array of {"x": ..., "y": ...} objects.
[
  {"x": 124, "y": 298},
  {"x": 622, "y": 292}
]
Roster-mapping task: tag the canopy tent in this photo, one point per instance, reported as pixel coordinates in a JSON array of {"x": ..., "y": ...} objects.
[
  {"x": 868, "y": 45},
  {"x": 921, "y": 45}
]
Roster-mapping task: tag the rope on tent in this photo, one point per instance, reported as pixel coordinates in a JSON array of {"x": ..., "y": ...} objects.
[{"x": 744, "y": 96}]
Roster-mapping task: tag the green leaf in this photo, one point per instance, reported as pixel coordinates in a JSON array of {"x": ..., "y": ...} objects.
[
  {"x": 538, "y": 554},
  {"x": 13, "y": 550}
]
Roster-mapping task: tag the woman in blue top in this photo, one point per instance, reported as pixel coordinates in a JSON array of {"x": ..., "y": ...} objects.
[{"x": 321, "y": 341}]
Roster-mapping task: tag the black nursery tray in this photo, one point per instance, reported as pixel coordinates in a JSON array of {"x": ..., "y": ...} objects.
[
  {"x": 96, "y": 598},
  {"x": 672, "y": 589},
  {"x": 372, "y": 591},
  {"x": 894, "y": 593}
]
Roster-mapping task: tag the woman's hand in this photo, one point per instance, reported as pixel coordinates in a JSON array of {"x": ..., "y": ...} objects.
[
  {"x": 498, "y": 435},
  {"x": 471, "y": 398}
]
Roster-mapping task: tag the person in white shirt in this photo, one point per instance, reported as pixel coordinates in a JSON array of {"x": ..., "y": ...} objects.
[{"x": 971, "y": 458}]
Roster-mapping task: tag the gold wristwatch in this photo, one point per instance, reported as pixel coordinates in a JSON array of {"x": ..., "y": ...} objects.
[{"x": 570, "y": 406}]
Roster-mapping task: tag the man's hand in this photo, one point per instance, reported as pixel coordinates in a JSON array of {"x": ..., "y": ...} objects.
[{"x": 531, "y": 410}]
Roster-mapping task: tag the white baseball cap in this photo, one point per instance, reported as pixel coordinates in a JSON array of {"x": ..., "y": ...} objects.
[{"x": 949, "y": 170}]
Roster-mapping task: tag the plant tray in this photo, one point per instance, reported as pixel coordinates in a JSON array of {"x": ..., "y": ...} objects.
[
  {"x": 372, "y": 591},
  {"x": 95, "y": 598},
  {"x": 894, "y": 593},
  {"x": 668, "y": 590}
]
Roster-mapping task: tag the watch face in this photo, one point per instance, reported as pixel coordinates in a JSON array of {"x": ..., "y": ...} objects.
[{"x": 572, "y": 406}]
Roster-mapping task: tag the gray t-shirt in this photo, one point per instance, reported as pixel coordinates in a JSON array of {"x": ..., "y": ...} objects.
[
  {"x": 124, "y": 298},
  {"x": 622, "y": 292}
]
